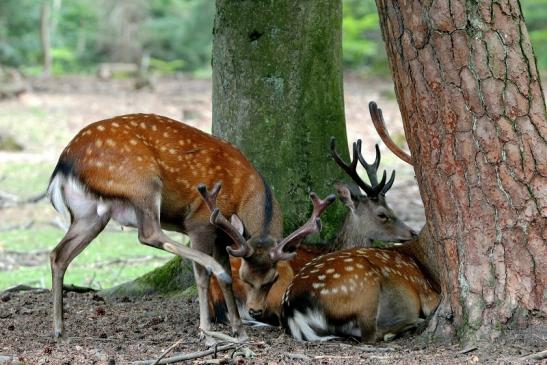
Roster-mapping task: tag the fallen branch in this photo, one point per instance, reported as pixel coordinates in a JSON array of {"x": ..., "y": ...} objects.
[
  {"x": 169, "y": 349},
  {"x": 78, "y": 289},
  {"x": 185, "y": 357},
  {"x": 375, "y": 349},
  {"x": 535, "y": 356},
  {"x": 19, "y": 288},
  {"x": 297, "y": 356},
  {"x": 7, "y": 199},
  {"x": 467, "y": 350}
]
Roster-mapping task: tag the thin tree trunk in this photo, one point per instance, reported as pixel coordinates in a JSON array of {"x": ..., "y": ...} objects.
[
  {"x": 474, "y": 116},
  {"x": 45, "y": 22},
  {"x": 278, "y": 96}
]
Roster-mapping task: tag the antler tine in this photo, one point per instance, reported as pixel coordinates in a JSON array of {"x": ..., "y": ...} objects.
[
  {"x": 350, "y": 169},
  {"x": 388, "y": 185},
  {"x": 371, "y": 169},
  {"x": 210, "y": 197},
  {"x": 319, "y": 205},
  {"x": 372, "y": 172},
  {"x": 313, "y": 225},
  {"x": 379, "y": 124},
  {"x": 217, "y": 219}
]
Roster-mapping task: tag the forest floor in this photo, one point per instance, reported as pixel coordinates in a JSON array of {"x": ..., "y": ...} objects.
[
  {"x": 100, "y": 331},
  {"x": 103, "y": 331}
]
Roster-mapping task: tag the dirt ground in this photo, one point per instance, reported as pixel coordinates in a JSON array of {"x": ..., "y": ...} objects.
[{"x": 122, "y": 331}]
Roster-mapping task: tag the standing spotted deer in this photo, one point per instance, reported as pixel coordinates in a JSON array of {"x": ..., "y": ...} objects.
[
  {"x": 142, "y": 170},
  {"x": 363, "y": 292},
  {"x": 369, "y": 218}
]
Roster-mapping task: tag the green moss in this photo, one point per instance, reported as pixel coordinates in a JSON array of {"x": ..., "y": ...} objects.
[{"x": 174, "y": 276}]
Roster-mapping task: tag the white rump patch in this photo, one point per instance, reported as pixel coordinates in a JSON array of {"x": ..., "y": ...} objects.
[
  {"x": 67, "y": 195},
  {"x": 308, "y": 326}
]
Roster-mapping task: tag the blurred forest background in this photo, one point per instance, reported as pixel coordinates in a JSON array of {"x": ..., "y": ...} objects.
[
  {"x": 171, "y": 35},
  {"x": 113, "y": 57}
]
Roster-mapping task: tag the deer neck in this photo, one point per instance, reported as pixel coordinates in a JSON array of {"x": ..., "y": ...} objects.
[
  {"x": 354, "y": 233},
  {"x": 260, "y": 211},
  {"x": 421, "y": 250}
]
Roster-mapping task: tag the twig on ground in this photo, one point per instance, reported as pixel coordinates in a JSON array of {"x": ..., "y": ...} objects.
[
  {"x": 221, "y": 336},
  {"x": 184, "y": 357},
  {"x": 78, "y": 289},
  {"x": 535, "y": 356},
  {"x": 467, "y": 350},
  {"x": 19, "y": 288},
  {"x": 375, "y": 349},
  {"x": 10, "y": 200},
  {"x": 169, "y": 349},
  {"x": 297, "y": 356}
]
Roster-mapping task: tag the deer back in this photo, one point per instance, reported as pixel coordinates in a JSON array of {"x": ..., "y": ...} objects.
[{"x": 126, "y": 157}]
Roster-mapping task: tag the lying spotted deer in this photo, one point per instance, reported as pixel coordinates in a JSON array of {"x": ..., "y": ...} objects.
[
  {"x": 369, "y": 219},
  {"x": 142, "y": 170},
  {"x": 369, "y": 293}
]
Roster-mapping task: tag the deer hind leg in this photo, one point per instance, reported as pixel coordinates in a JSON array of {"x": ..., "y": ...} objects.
[
  {"x": 399, "y": 311},
  {"x": 150, "y": 233},
  {"x": 221, "y": 255},
  {"x": 367, "y": 318},
  {"x": 79, "y": 235}
]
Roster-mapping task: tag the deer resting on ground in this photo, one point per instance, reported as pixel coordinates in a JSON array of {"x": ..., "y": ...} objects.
[
  {"x": 369, "y": 218},
  {"x": 369, "y": 293},
  {"x": 143, "y": 170}
]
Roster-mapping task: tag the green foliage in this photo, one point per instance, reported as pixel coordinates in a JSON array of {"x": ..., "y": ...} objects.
[
  {"x": 165, "y": 67},
  {"x": 535, "y": 15},
  {"x": 19, "y": 32},
  {"x": 177, "y": 34},
  {"x": 361, "y": 38},
  {"x": 180, "y": 30}
]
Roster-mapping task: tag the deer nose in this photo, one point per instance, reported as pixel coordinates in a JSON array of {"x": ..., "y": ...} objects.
[{"x": 255, "y": 313}]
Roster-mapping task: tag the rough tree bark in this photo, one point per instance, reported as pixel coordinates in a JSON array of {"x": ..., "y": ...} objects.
[
  {"x": 474, "y": 116},
  {"x": 278, "y": 96}
]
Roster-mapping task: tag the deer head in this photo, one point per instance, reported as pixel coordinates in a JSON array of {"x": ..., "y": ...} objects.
[
  {"x": 261, "y": 254},
  {"x": 369, "y": 217}
]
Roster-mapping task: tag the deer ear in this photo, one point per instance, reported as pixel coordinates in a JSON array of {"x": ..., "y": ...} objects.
[
  {"x": 344, "y": 194},
  {"x": 237, "y": 223}
]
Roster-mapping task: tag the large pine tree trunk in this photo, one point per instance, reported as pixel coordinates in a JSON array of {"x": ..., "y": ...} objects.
[
  {"x": 278, "y": 96},
  {"x": 474, "y": 116}
]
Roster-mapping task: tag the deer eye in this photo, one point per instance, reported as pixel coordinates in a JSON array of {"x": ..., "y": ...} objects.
[{"x": 383, "y": 216}]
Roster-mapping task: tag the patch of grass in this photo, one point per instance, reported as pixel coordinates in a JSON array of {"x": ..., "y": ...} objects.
[
  {"x": 112, "y": 258},
  {"x": 25, "y": 179}
]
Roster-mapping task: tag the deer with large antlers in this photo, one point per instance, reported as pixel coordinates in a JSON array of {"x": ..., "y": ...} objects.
[
  {"x": 369, "y": 219},
  {"x": 142, "y": 170},
  {"x": 369, "y": 293}
]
